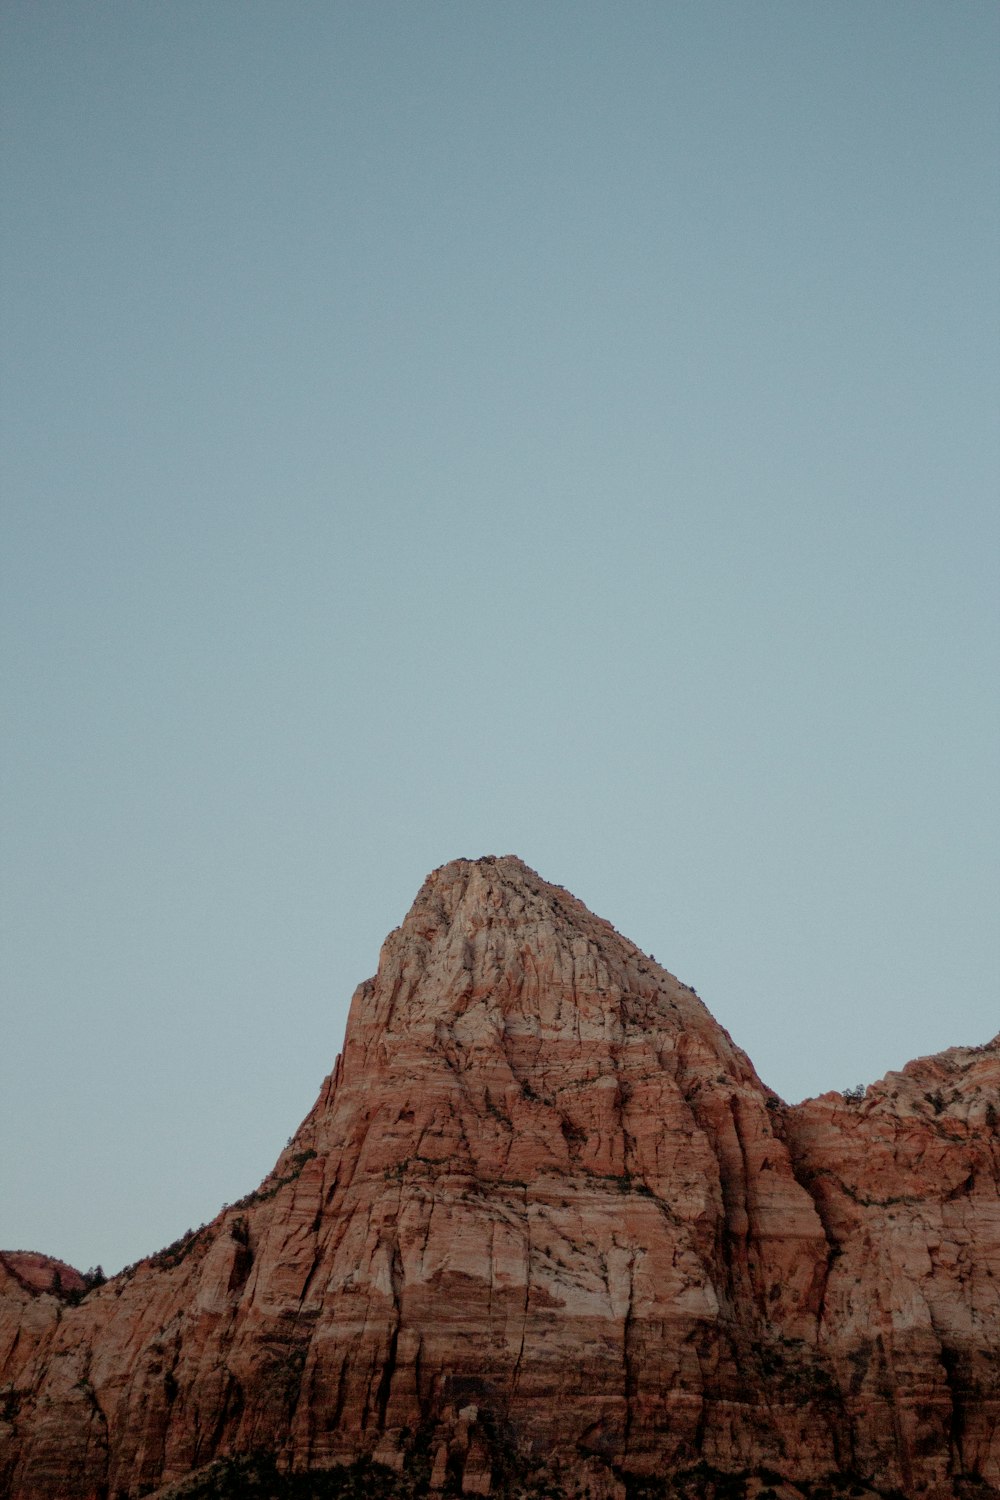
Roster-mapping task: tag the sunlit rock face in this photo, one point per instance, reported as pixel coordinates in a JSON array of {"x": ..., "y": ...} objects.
[{"x": 545, "y": 1213}]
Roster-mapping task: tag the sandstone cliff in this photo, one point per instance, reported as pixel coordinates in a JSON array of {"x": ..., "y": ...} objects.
[{"x": 544, "y": 1213}]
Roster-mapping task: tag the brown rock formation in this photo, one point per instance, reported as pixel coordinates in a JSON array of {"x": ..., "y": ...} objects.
[
  {"x": 545, "y": 1211},
  {"x": 40, "y": 1273}
]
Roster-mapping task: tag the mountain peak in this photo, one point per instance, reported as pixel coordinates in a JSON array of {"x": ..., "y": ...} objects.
[
  {"x": 489, "y": 945},
  {"x": 544, "y": 1215},
  {"x": 465, "y": 888}
]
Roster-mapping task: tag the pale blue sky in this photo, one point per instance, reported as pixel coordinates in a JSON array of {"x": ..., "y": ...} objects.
[{"x": 450, "y": 428}]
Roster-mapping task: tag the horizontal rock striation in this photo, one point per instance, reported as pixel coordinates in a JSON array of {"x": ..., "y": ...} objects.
[{"x": 544, "y": 1213}]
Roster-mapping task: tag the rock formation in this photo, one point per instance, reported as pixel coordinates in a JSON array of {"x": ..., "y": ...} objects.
[
  {"x": 545, "y": 1216},
  {"x": 40, "y": 1273}
]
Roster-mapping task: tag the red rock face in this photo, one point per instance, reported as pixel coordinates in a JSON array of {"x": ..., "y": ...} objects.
[
  {"x": 40, "y": 1273},
  {"x": 545, "y": 1207}
]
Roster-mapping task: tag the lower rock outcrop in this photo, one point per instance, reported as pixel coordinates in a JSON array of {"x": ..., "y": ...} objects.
[{"x": 545, "y": 1218}]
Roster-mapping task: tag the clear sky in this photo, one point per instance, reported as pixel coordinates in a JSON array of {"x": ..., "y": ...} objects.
[{"x": 438, "y": 429}]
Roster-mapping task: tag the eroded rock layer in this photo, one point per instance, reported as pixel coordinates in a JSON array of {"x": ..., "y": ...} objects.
[{"x": 545, "y": 1212}]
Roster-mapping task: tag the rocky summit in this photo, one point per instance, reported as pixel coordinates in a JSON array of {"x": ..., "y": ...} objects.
[{"x": 545, "y": 1232}]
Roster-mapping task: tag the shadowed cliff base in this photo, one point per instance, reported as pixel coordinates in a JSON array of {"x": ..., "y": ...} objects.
[
  {"x": 256, "y": 1477},
  {"x": 545, "y": 1229}
]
